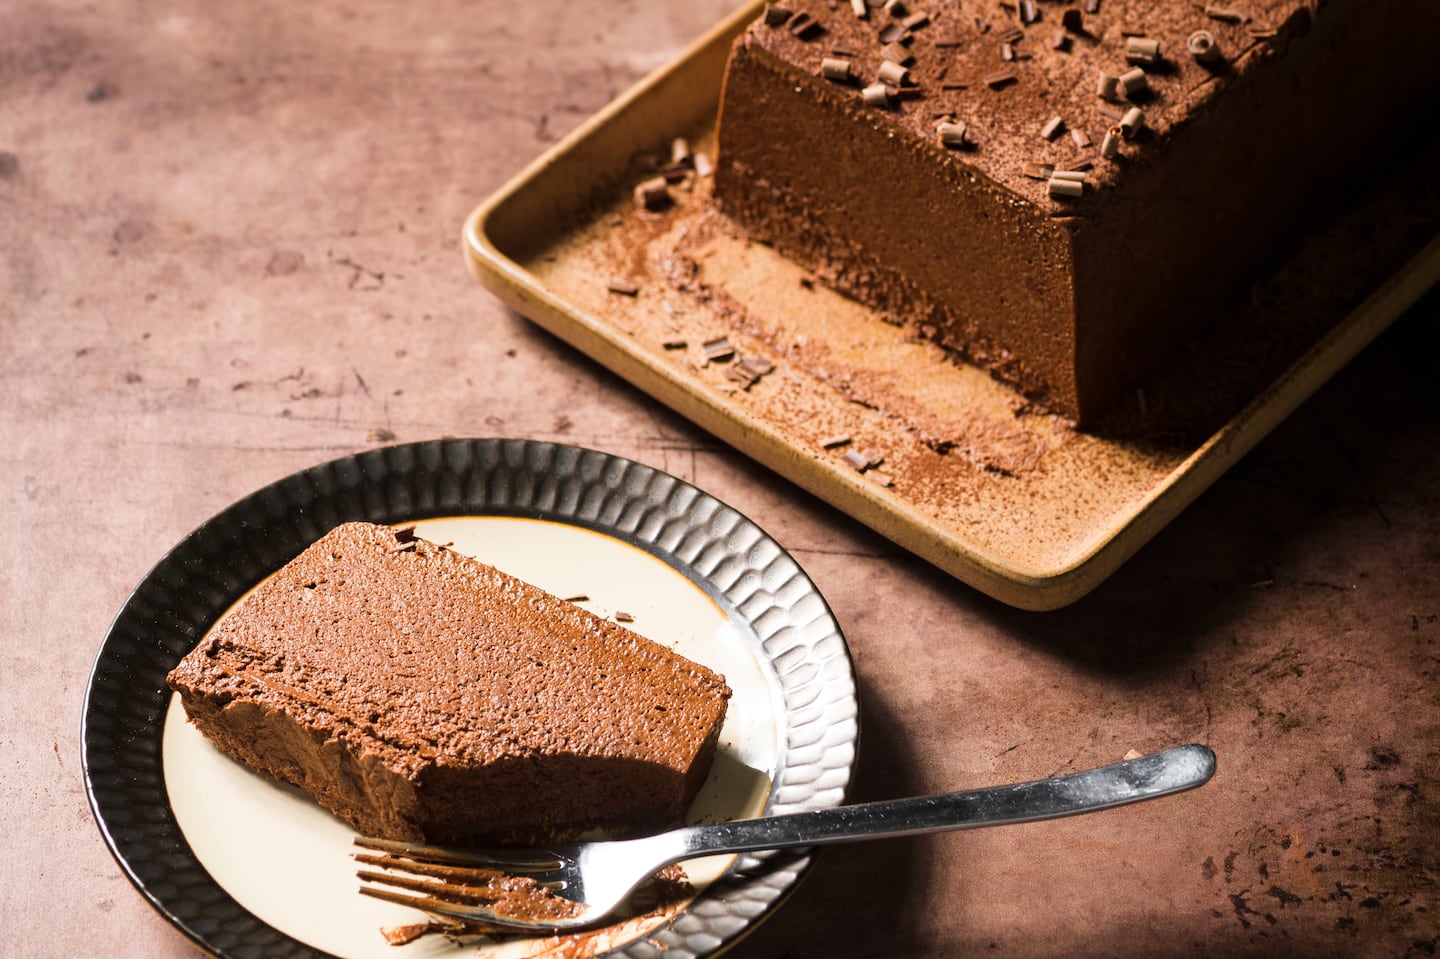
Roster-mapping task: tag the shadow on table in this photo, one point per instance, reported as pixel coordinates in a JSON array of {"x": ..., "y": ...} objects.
[{"x": 1369, "y": 438}]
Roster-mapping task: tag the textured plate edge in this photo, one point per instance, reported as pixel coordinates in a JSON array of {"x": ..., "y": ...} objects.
[{"x": 772, "y": 877}]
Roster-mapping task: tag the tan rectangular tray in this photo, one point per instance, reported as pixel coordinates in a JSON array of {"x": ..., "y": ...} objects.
[{"x": 1009, "y": 500}]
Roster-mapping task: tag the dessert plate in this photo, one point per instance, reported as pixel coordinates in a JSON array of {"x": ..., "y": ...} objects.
[
  {"x": 244, "y": 866},
  {"x": 932, "y": 454}
]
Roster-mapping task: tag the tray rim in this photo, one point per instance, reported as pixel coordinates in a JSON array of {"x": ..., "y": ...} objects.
[{"x": 1025, "y": 586}]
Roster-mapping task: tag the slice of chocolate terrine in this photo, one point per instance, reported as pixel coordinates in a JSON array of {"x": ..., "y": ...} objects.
[{"x": 422, "y": 695}]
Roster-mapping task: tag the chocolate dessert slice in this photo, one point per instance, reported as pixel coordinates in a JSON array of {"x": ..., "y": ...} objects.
[{"x": 422, "y": 695}]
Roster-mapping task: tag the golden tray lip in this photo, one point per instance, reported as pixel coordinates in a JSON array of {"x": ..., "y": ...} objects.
[{"x": 692, "y": 80}]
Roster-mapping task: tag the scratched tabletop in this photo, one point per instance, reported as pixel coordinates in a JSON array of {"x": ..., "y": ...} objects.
[{"x": 229, "y": 250}]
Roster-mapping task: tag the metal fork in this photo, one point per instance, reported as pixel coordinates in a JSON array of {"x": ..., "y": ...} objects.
[{"x": 589, "y": 880}]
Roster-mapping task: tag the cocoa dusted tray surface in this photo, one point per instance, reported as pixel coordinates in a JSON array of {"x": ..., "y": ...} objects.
[{"x": 931, "y": 453}]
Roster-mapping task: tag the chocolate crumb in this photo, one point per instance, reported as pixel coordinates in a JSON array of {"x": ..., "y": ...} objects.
[{"x": 623, "y": 617}]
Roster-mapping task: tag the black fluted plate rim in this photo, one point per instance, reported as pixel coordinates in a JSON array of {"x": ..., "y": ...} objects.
[{"x": 756, "y": 583}]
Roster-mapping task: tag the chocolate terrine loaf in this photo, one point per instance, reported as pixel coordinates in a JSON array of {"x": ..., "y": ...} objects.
[
  {"x": 422, "y": 695},
  {"x": 1060, "y": 191}
]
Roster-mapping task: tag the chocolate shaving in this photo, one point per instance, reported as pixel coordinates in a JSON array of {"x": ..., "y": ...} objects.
[
  {"x": 915, "y": 21},
  {"x": 804, "y": 26},
  {"x": 624, "y": 288},
  {"x": 995, "y": 81},
  {"x": 894, "y": 33},
  {"x": 1029, "y": 13},
  {"x": 749, "y": 370},
  {"x": 1227, "y": 14},
  {"x": 652, "y": 193},
  {"x": 1038, "y": 171},
  {"x": 718, "y": 349},
  {"x": 1092, "y": 6},
  {"x": 831, "y": 442},
  {"x": 1010, "y": 35},
  {"x": 897, "y": 53},
  {"x": 884, "y": 479},
  {"x": 776, "y": 15}
]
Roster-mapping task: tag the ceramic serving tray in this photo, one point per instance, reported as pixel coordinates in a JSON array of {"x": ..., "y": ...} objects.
[{"x": 934, "y": 455}]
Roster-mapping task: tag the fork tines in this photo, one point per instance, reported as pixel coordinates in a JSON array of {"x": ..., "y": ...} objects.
[{"x": 460, "y": 884}]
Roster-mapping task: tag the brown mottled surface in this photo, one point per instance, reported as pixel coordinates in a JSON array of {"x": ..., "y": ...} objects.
[{"x": 228, "y": 251}]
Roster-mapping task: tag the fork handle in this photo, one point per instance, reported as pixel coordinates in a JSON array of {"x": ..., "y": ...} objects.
[{"x": 1148, "y": 777}]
